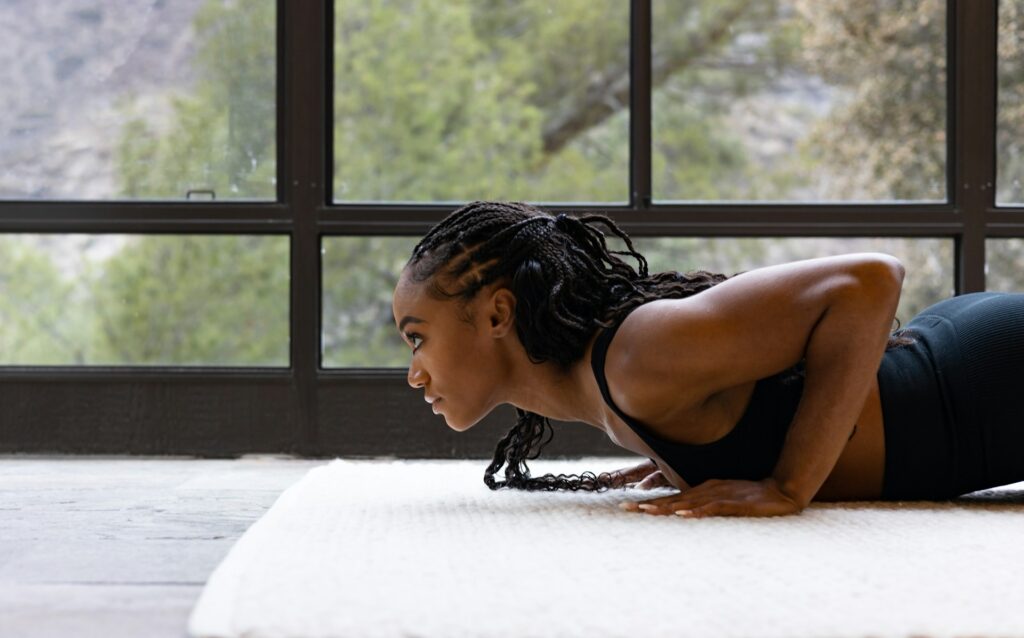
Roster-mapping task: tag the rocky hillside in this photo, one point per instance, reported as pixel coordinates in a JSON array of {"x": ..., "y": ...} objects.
[{"x": 64, "y": 67}]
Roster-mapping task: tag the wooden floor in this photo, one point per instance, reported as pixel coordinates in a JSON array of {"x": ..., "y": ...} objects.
[{"x": 114, "y": 546}]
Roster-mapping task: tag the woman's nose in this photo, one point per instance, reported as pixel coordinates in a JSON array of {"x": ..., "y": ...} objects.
[{"x": 417, "y": 377}]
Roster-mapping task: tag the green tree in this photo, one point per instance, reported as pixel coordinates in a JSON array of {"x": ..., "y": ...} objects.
[
  {"x": 195, "y": 300},
  {"x": 890, "y": 139},
  {"x": 36, "y": 327},
  {"x": 222, "y": 134},
  {"x": 359, "y": 276}
]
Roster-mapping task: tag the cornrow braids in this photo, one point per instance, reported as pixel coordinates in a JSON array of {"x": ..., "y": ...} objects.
[
  {"x": 566, "y": 281},
  {"x": 567, "y": 284}
]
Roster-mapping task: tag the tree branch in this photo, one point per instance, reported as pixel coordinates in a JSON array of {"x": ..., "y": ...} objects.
[{"x": 609, "y": 92}]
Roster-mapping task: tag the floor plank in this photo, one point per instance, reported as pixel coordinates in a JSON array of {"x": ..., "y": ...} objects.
[{"x": 121, "y": 546}]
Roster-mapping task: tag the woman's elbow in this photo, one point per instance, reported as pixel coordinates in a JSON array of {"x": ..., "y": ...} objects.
[
  {"x": 883, "y": 273},
  {"x": 898, "y": 271}
]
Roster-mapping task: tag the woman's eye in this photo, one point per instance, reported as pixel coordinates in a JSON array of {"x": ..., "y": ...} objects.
[{"x": 413, "y": 338}]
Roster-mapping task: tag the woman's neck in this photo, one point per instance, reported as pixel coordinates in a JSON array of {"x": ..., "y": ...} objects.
[{"x": 564, "y": 395}]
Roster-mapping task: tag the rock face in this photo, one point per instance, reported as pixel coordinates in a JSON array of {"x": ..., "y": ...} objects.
[{"x": 64, "y": 67}]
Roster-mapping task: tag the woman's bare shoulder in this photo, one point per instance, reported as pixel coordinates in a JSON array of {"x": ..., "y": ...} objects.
[
  {"x": 748, "y": 327},
  {"x": 640, "y": 377}
]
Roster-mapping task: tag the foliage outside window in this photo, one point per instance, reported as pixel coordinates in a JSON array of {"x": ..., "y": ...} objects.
[
  {"x": 1004, "y": 267},
  {"x": 525, "y": 100},
  {"x": 799, "y": 100},
  {"x": 1010, "y": 130},
  {"x": 123, "y": 100},
  {"x": 193, "y": 300}
]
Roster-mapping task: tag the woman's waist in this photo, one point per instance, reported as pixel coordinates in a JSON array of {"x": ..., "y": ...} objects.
[
  {"x": 919, "y": 416},
  {"x": 859, "y": 471}
]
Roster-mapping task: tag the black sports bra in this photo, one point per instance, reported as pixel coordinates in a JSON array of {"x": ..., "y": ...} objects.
[{"x": 748, "y": 452}]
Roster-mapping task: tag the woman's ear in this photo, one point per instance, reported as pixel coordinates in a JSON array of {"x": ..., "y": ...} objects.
[{"x": 502, "y": 312}]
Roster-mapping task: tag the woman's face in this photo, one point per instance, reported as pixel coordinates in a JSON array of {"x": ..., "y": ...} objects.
[{"x": 458, "y": 364}]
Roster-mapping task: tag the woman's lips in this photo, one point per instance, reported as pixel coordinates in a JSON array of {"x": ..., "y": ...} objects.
[{"x": 433, "y": 405}]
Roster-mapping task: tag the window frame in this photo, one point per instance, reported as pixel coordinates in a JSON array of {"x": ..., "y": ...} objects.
[{"x": 311, "y": 411}]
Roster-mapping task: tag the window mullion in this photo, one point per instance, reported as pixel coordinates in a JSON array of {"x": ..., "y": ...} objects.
[
  {"x": 305, "y": 34},
  {"x": 973, "y": 42},
  {"x": 640, "y": 115}
]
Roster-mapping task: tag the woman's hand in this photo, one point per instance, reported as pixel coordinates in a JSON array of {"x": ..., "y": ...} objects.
[
  {"x": 646, "y": 476},
  {"x": 723, "y": 498}
]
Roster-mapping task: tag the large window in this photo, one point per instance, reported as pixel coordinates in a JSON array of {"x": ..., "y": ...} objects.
[
  {"x": 144, "y": 300},
  {"x": 359, "y": 274},
  {"x": 205, "y": 204},
  {"x": 799, "y": 100},
  {"x": 138, "y": 100},
  {"x": 497, "y": 100}
]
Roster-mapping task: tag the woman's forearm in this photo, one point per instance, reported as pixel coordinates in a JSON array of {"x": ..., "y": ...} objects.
[{"x": 842, "y": 358}]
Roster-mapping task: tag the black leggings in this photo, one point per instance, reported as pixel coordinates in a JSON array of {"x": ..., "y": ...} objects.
[{"x": 953, "y": 402}]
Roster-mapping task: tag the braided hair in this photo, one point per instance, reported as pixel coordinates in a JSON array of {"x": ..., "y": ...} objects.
[{"x": 567, "y": 284}]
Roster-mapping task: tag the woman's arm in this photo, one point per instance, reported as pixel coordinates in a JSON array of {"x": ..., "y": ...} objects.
[{"x": 835, "y": 312}]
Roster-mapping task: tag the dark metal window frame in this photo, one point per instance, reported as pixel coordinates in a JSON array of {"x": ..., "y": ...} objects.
[{"x": 307, "y": 410}]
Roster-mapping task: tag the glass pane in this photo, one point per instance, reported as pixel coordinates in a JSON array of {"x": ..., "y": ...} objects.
[
  {"x": 1010, "y": 134},
  {"x": 929, "y": 262},
  {"x": 106, "y": 99},
  {"x": 360, "y": 274},
  {"x": 1004, "y": 265},
  {"x": 359, "y": 277},
  {"x": 189, "y": 300},
  {"x": 799, "y": 100},
  {"x": 456, "y": 100}
]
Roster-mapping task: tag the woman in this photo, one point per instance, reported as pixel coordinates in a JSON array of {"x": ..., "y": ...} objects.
[{"x": 752, "y": 395}]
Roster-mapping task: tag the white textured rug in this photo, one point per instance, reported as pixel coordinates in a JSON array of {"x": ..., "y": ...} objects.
[{"x": 422, "y": 548}]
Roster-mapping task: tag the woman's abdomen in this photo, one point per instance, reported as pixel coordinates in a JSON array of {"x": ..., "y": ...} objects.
[{"x": 858, "y": 474}]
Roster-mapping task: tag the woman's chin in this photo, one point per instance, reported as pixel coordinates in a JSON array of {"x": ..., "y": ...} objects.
[
  {"x": 457, "y": 423},
  {"x": 458, "y": 426}
]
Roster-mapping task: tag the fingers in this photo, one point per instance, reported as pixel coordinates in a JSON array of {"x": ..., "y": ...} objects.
[
  {"x": 719, "y": 498},
  {"x": 651, "y": 506},
  {"x": 656, "y": 479},
  {"x": 716, "y": 508},
  {"x": 709, "y": 508},
  {"x": 634, "y": 474},
  {"x": 642, "y": 470},
  {"x": 694, "y": 498}
]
